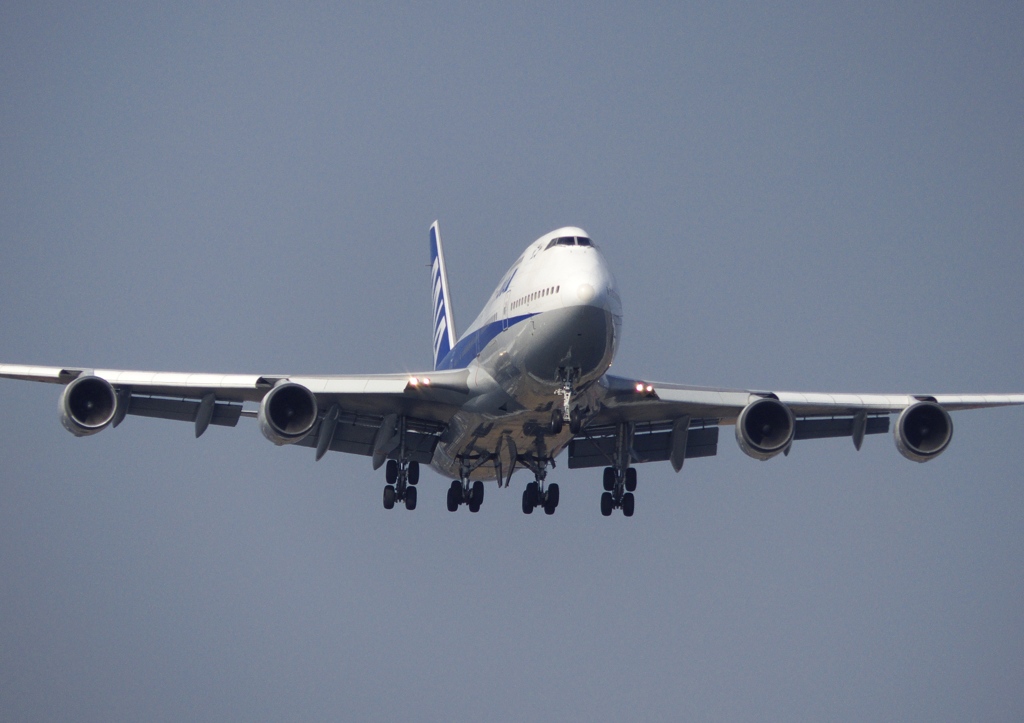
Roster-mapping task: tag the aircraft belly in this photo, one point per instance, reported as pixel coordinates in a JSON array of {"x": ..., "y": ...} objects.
[
  {"x": 524, "y": 361},
  {"x": 477, "y": 439}
]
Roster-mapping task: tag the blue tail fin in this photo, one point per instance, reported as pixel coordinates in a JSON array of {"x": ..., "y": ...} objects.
[{"x": 444, "y": 320}]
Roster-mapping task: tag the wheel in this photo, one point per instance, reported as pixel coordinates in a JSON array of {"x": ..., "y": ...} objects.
[
  {"x": 631, "y": 480},
  {"x": 410, "y": 498},
  {"x": 609, "y": 479},
  {"x": 391, "y": 472},
  {"x": 555, "y": 426},
  {"x": 553, "y": 494},
  {"x": 606, "y": 504},
  {"x": 414, "y": 472},
  {"x": 532, "y": 493},
  {"x": 474, "y": 507},
  {"x": 549, "y": 509},
  {"x": 454, "y": 497},
  {"x": 477, "y": 496},
  {"x": 628, "y": 502},
  {"x": 574, "y": 421},
  {"x": 389, "y": 497},
  {"x": 527, "y": 502}
]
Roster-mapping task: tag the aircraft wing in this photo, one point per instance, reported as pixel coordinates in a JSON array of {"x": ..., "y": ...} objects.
[
  {"x": 362, "y": 412},
  {"x": 676, "y": 422}
]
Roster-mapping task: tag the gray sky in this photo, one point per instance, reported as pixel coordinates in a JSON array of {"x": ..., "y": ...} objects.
[{"x": 798, "y": 198}]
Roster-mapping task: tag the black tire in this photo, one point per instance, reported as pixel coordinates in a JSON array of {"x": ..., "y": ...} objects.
[
  {"x": 553, "y": 495},
  {"x": 414, "y": 472},
  {"x": 609, "y": 479},
  {"x": 631, "y": 480},
  {"x": 555, "y": 425},
  {"x": 454, "y": 497},
  {"x": 391, "y": 472},
  {"x": 628, "y": 503},
  {"x": 474, "y": 507},
  {"x": 527, "y": 503},
  {"x": 606, "y": 504},
  {"x": 477, "y": 495},
  {"x": 389, "y": 497},
  {"x": 575, "y": 423},
  {"x": 410, "y": 498},
  {"x": 532, "y": 493}
]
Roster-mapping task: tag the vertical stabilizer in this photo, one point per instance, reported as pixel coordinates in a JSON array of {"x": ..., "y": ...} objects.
[{"x": 444, "y": 319}]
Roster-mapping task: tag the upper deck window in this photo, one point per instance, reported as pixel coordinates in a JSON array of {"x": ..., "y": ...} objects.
[{"x": 569, "y": 241}]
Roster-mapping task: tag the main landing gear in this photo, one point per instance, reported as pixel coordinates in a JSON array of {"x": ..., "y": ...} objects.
[
  {"x": 463, "y": 493},
  {"x": 401, "y": 478},
  {"x": 618, "y": 491},
  {"x": 620, "y": 479},
  {"x": 536, "y": 495}
]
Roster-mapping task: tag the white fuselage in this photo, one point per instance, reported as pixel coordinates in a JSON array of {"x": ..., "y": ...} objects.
[{"x": 554, "y": 319}]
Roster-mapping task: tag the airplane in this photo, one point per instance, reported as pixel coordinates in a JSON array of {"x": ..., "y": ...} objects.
[{"x": 527, "y": 380}]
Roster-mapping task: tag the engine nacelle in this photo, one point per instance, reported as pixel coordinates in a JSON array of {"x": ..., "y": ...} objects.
[
  {"x": 923, "y": 431},
  {"x": 287, "y": 413},
  {"x": 764, "y": 428},
  {"x": 87, "y": 405}
]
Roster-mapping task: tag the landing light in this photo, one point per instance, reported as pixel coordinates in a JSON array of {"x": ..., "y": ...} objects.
[
  {"x": 416, "y": 381},
  {"x": 641, "y": 388}
]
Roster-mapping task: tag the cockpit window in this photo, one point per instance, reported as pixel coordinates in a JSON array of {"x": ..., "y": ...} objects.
[{"x": 569, "y": 241}]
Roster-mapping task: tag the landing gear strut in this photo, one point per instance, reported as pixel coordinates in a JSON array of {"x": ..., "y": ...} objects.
[
  {"x": 569, "y": 413},
  {"x": 401, "y": 480}
]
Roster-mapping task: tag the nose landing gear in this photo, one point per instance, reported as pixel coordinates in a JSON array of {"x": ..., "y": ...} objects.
[{"x": 570, "y": 413}]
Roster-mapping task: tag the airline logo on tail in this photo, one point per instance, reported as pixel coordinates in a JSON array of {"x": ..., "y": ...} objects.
[{"x": 444, "y": 321}]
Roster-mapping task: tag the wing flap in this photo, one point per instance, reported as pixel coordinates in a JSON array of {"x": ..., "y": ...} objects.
[
  {"x": 842, "y": 427},
  {"x": 651, "y": 443},
  {"x": 225, "y": 414},
  {"x": 356, "y": 433}
]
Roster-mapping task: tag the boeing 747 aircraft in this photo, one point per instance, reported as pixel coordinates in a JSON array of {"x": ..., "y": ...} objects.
[{"x": 527, "y": 380}]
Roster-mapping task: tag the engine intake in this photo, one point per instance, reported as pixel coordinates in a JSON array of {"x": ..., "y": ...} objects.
[
  {"x": 87, "y": 405},
  {"x": 764, "y": 428},
  {"x": 287, "y": 413},
  {"x": 923, "y": 431}
]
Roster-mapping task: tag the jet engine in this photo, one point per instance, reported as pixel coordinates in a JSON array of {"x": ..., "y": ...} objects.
[
  {"x": 287, "y": 413},
  {"x": 923, "y": 431},
  {"x": 87, "y": 405},
  {"x": 764, "y": 428}
]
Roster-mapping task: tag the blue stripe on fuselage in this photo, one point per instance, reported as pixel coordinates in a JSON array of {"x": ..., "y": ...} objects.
[{"x": 472, "y": 344}]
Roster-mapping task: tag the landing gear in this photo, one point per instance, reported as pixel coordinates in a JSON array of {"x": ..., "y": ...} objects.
[
  {"x": 618, "y": 492},
  {"x": 464, "y": 493},
  {"x": 619, "y": 481},
  {"x": 400, "y": 478},
  {"x": 569, "y": 412},
  {"x": 535, "y": 495}
]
